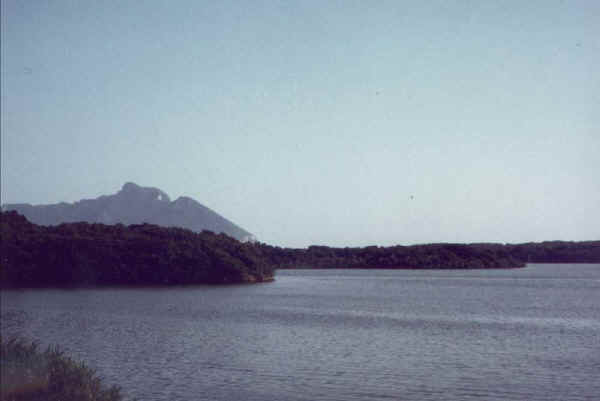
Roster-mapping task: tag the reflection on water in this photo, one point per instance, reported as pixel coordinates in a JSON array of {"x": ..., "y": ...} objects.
[{"x": 525, "y": 334}]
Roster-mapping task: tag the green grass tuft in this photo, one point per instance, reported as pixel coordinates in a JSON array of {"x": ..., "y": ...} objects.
[{"x": 27, "y": 374}]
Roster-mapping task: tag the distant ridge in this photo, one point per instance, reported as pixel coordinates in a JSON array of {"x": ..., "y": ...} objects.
[{"x": 133, "y": 204}]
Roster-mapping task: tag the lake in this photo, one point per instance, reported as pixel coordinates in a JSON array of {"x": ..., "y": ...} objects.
[{"x": 519, "y": 334}]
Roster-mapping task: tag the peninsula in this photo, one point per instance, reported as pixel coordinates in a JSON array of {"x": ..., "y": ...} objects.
[{"x": 84, "y": 254}]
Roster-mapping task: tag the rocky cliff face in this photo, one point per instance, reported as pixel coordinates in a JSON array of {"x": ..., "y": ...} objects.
[{"x": 133, "y": 204}]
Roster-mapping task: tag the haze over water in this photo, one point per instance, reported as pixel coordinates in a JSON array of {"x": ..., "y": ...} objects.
[{"x": 520, "y": 334}]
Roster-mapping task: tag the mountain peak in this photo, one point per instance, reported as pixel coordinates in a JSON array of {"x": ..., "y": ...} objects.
[
  {"x": 130, "y": 186},
  {"x": 136, "y": 192},
  {"x": 134, "y": 204}
]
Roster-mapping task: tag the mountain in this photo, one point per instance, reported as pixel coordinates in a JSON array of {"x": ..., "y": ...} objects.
[{"x": 133, "y": 204}]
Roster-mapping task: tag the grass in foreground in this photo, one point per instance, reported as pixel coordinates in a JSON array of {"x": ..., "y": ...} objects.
[{"x": 27, "y": 373}]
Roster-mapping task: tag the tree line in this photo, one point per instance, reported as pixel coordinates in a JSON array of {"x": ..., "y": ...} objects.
[
  {"x": 145, "y": 254},
  {"x": 432, "y": 256},
  {"x": 435, "y": 256}
]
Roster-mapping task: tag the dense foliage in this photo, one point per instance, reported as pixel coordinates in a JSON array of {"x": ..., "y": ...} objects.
[
  {"x": 29, "y": 374},
  {"x": 98, "y": 254},
  {"x": 557, "y": 252},
  {"x": 433, "y": 256}
]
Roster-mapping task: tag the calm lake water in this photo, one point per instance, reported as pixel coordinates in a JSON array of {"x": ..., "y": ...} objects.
[{"x": 524, "y": 334}]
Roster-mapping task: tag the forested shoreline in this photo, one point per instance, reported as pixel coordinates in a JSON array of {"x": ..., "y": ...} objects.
[
  {"x": 89, "y": 254},
  {"x": 80, "y": 254},
  {"x": 435, "y": 256},
  {"x": 432, "y": 256}
]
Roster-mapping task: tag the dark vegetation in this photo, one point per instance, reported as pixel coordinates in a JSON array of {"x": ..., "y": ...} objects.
[
  {"x": 75, "y": 254},
  {"x": 557, "y": 252},
  {"x": 27, "y": 374},
  {"x": 99, "y": 254},
  {"x": 435, "y": 256}
]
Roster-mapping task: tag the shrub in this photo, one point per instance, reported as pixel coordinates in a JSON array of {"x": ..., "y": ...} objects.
[{"x": 28, "y": 374}]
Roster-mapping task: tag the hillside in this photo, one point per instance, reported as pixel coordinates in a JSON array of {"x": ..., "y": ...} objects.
[
  {"x": 133, "y": 204},
  {"x": 75, "y": 254}
]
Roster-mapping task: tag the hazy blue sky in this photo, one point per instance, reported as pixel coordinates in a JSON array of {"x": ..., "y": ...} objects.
[{"x": 343, "y": 123}]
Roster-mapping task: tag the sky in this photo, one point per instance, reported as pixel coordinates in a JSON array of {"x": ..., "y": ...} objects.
[{"x": 340, "y": 123}]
